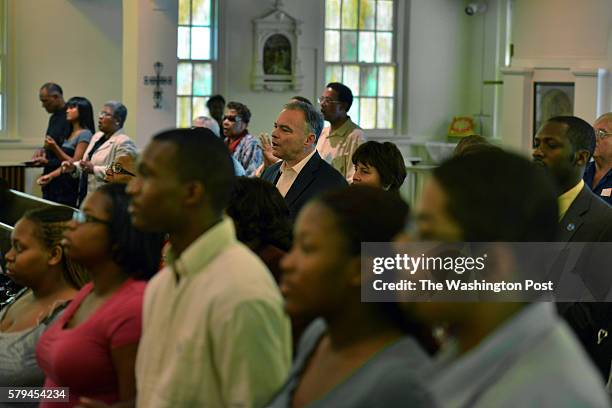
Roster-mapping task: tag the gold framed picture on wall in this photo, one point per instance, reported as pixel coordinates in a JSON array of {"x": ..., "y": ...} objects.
[{"x": 551, "y": 99}]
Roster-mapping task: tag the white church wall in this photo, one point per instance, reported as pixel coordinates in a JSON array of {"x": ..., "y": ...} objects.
[
  {"x": 436, "y": 48},
  {"x": 438, "y": 66},
  {"x": 236, "y": 56},
  {"x": 75, "y": 43},
  {"x": 149, "y": 36},
  {"x": 558, "y": 33},
  {"x": 556, "y": 41}
]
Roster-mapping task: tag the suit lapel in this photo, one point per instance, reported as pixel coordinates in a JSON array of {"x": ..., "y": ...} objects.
[
  {"x": 573, "y": 218},
  {"x": 303, "y": 180}
]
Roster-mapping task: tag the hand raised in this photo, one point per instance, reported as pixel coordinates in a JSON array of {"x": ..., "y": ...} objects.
[{"x": 265, "y": 144}]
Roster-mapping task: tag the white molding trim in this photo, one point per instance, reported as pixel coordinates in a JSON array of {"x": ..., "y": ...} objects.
[
  {"x": 517, "y": 71},
  {"x": 16, "y": 144},
  {"x": 591, "y": 73}
]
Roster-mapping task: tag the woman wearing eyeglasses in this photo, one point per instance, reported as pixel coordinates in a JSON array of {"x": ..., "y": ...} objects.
[
  {"x": 36, "y": 261},
  {"x": 63, "y": 188},
  {"x": 92, "y": 348},
  {"x": 106, "y": 146}
]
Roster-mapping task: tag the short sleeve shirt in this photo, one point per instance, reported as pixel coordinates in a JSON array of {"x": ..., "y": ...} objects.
[
  {"x": 337, "y": 147},
  {"x": 80, "y": 357}
]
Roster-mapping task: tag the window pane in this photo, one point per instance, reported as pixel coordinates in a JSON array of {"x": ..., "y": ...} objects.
[
  {"x": 349, "y": 46},
  {"x": 333, "y": 73},
  {"x": 366, "y": 46},
  {"x": 182, "y": 49},
  {"x": 368, "y": 81},
  {"x": 200, "y": 43},
  {"x": 202, "y": 79},
  {"x": 183, "y": 78},
  {"x": 354, "y": 111},
  {"x": 183, "y": 112},
  {"x": 184, "y": 6},
  {"x": 332, "y": 45},
  {"x": 367, "y": 113},
  {"x": 332, "y": 14},
  {"x": 384, "y": 18},
  {"x": 384, "y": 47},
  {"x": 201, "y": 12},
  {"x": 367, "y": 13},
  {"x": 199, "y": 108},
  {"x": 349, "y": 14},
  {"x": 386, "y": 81},
  {"x": 385, "y": 113},
  {"x": 351, "y": 78}
]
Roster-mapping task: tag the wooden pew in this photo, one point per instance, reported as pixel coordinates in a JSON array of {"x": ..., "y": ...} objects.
[
  {"x": 13, "y": 206},
  {"x": 7, "y": 287},
  {"x": 19, "y": 203}
]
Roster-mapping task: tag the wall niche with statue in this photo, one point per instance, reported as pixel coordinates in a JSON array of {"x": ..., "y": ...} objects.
[{"x": 276, "y": 65}]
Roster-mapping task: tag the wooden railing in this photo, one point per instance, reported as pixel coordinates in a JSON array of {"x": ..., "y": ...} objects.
[{"x": 14, "y": 176}]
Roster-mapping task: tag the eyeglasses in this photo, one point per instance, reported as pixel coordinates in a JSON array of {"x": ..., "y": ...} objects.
[
  {"x": 602, "y": 134},
  {"x": 81, "y": 218},
  {"x": 234, "y": 118},
  {"x": 326, "y": 100},
  {"x": 117, "y": 168},
  {"x": 104, "y": 114}
]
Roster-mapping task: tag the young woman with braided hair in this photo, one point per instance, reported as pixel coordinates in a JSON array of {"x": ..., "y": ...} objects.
[{"x": 36, "y": 261}]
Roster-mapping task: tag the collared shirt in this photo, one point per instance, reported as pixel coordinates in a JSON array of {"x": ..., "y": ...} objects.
[
  {"x": 337, "y": 147},
  {"x": 566, "y": 199},
  {"x": 603, "y": 189},
  {"x": 214, "y": 330},
  {"x": 289, "y": 174},
  {"x": 533, "y": 359}
]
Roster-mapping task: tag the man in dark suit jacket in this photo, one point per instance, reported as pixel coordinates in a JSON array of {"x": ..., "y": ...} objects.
[
  {"x": 588, "y": 219},
  {"x": 564, "y": 145},
  {"x": 301, "y": 174}
]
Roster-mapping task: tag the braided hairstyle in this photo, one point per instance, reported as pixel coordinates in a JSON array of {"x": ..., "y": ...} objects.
[{"x": 51, "y": 222}]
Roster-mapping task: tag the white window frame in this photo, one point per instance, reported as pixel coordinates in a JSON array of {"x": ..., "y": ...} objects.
[
  {"x": 213, "y": 60},
  {"x": 399, "y": 56}
]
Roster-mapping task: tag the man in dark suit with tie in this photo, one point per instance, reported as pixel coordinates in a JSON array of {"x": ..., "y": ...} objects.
[
  {"x": 301, "y": 174},
  {"x": 564, "y": 146}
]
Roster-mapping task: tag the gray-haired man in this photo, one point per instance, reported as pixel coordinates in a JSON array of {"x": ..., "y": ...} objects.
[{"x": 301, "y": 173}]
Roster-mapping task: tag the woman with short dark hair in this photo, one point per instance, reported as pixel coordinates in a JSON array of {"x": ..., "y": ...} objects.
[{"x": 379, "y": 165}]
